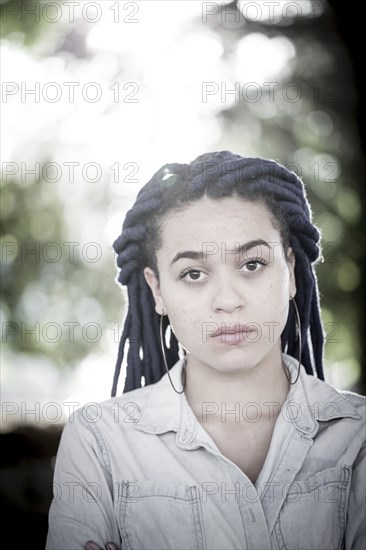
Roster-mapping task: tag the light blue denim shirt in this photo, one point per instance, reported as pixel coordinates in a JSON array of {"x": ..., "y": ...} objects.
[{"x": 141, "y": 471}]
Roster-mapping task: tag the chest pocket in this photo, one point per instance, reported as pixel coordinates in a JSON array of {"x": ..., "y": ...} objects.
[
  {"x": 313, "y": 516},
  {"x": 159, "y": 515}
]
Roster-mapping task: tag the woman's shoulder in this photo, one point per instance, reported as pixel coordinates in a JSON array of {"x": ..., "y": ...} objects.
[
  {"x": 339, "y": 411},
  {"x": 314, "y": 390},
  {"x": 330, "y": 404},
  {"x": 328, "y": 390},
  {"x": 123, "y": 408},
  {"x": 356, "y": 399}
]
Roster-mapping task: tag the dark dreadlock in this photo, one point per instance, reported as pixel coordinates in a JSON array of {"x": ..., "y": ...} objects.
[{"x": 172, "y": 188}]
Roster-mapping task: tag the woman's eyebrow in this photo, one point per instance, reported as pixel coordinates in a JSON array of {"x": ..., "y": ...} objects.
[{"x": 198, "y": 255}]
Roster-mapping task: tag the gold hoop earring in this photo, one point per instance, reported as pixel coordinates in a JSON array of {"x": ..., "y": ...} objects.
[
  {"x": 298, "y": 322},
  {"x": 164, "y": 357}
]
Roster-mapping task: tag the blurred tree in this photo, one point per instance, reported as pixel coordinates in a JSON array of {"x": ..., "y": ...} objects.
[
  {"x": 49, "y": 280},
  {"x": 348, "y": 25}
]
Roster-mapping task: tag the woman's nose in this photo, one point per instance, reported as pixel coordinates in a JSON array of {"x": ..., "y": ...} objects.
[{"x": 227, "y": 296}]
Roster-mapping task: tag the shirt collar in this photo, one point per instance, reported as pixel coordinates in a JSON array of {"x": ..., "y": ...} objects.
[
  {"x": 165, "y": 410},
  {"x": 308, "y": 401}
]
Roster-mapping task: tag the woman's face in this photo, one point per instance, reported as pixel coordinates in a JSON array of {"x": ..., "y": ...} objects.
[{"x": 227, "y": 300}]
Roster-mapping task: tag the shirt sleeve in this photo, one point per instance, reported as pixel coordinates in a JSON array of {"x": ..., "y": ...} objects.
[
  {"x": 356, "y": 514},
  {"x": 82, "y": 508}
]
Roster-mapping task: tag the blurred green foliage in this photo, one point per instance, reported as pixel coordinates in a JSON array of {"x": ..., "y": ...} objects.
[{"x": 50, "y": 279}]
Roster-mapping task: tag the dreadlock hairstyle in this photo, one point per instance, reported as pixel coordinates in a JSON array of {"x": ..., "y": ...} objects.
[{"x": 172, "y": 188}]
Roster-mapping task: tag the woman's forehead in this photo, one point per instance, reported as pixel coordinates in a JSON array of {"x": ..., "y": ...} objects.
[
  {"x": 209, "y": 213},
  {"x": 229, "y": 219}
]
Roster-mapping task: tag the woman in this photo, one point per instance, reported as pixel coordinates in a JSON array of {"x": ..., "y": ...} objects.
[{"x": 235, "y": 441}]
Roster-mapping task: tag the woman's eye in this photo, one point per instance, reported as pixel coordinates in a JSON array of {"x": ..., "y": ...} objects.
[
  {"x": 191, "y": 275},
  {"x": 254, "y": 265}
]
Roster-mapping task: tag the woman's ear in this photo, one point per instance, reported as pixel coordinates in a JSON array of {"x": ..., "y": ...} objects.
[
  {"x": 291, "y": 261},
  {"x": 154, "y": 285}
]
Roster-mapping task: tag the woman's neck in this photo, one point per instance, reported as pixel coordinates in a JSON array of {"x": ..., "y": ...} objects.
[{"x": 241, "y": 399}]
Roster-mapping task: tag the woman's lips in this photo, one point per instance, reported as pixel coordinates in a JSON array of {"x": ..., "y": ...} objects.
[{"x": 232, "y": 334}]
